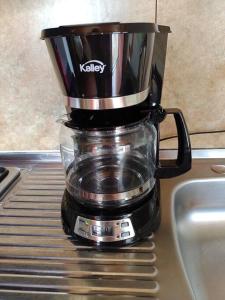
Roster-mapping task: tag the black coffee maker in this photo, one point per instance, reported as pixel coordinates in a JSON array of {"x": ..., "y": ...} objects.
[{"x": 112, "y": 75}]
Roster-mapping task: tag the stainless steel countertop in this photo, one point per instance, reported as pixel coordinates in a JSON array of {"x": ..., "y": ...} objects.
[{"x": 38, "y": 261}]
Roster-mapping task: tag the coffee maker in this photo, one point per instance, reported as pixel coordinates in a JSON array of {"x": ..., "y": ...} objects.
[{"x": 111, "y": 75}]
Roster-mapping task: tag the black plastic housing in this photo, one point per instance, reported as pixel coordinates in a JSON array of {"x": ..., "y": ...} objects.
[
  {"x": 145, "y": 218},
  {"x": 109, "y": 59}
]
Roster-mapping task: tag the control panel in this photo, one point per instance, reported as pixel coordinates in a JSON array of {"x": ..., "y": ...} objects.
[{"x": 104, "y": 231}]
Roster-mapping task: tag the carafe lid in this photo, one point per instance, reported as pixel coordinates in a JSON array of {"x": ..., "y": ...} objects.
[{"x": 103, "y": 28}]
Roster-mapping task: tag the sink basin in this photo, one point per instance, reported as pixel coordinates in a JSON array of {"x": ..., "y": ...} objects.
[{"x": 199, "y": 229}]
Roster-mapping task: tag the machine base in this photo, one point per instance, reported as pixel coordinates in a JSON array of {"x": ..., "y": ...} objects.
[{"x": 111, "y": 228}]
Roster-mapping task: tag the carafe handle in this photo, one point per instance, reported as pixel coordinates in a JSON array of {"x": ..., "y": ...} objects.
[{"x": 172, "y": 168}]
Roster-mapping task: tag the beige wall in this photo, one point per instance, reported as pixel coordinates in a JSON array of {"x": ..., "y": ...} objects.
[{"x": 30, "y": 98}]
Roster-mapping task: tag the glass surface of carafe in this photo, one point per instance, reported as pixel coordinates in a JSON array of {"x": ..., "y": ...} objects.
[{"x": 110, "y": 167}]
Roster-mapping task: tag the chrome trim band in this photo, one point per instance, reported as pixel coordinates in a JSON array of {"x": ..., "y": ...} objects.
[
  {"x": 106, "y": 103},
  {"x": 104, "y": 231},
  {"x": 125, "y": 196}
]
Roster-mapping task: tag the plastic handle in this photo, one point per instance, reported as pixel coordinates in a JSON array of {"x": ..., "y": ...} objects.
[{"x": 182, "y": 164}]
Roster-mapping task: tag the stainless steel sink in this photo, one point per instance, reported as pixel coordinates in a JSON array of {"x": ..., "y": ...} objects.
[
  {"x": 183, "y": 260},
  {"x": 198, "y": 214}
]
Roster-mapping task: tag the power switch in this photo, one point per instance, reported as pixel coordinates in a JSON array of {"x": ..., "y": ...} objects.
[
  {"x": 124, "y": 224},
  {"x": 125, "y": 234}
]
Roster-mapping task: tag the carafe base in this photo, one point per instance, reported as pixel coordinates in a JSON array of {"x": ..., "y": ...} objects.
[{"x": 105, "y": 229}]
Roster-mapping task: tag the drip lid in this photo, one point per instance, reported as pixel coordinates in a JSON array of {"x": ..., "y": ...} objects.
[{"x": 103, "y": 28}]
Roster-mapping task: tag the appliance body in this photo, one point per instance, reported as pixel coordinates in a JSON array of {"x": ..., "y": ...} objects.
[{"x": 111, "y": 75}]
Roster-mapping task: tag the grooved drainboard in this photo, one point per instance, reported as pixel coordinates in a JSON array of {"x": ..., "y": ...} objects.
[{"x": 38, "y": 261}]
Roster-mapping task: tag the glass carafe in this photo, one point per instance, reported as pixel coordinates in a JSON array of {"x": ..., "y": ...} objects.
[
  {"x": 111, "y": 166},
  {"x": 118, "y": 166}
]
